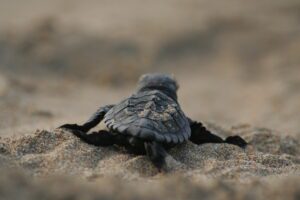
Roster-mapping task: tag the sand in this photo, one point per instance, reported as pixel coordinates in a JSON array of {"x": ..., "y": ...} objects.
[
  {"x": 268, "y": 167},
  {"x": 237, "y": 64}
]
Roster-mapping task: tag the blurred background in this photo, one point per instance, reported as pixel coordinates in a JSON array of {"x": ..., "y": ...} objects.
[
  {"x": 237, "y": 62},
  {"x": 238, "y": 66}
]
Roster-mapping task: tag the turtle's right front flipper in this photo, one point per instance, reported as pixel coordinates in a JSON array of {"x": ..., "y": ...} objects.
[
  {"x": 94, "y": 120},
  {"x": 201, "y": 135}
]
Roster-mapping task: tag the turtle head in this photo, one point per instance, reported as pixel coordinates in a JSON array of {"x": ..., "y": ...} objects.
[{"x": 162, "y": 82}]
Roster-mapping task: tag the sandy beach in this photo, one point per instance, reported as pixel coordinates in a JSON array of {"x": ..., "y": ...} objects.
[{"x": 237, "y": 64}]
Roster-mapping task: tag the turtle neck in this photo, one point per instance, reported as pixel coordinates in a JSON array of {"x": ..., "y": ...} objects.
[{"x": 162, "y": 89}]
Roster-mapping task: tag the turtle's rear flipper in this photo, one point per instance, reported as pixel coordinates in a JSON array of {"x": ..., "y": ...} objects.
[
  {"x": 73, "y": 127},
  {"x": 157, "y": 155},
  {"x": 101, "y": 138},
  {"x": 201, "y": 135}
]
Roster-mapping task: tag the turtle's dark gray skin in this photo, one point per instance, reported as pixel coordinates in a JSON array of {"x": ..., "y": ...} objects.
[{"x": 148, "y": 122}]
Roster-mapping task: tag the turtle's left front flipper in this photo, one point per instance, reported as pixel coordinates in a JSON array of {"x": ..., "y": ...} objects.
[
  {"x": 94, "y": 120},
  {"x": 201, "y": 135}
]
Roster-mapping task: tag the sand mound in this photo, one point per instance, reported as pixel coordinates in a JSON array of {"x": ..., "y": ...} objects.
[
  {"x": 264, "y": 168},
  {"x": 59, "y": 152}
]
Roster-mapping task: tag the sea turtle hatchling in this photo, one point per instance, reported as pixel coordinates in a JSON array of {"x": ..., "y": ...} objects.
[{"x": 148, "y": 122}]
